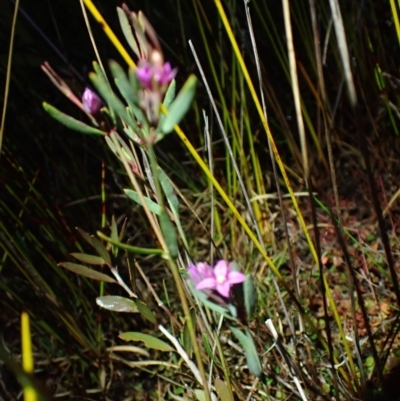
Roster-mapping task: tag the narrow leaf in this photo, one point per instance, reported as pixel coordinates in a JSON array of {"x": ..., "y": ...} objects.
[
  {"x": 169, "y": 192},
  {"x": 122, "y": 232},
  {"x": 127, "y": 30},
  {"x": 153, "y": 206},
  {"x": 85, "y": 236},
  {"x": 87, "y": 272},
  {"x": 114, "y": 229},
  {"x": 111, "y": 145},
  {"x": 250, "y": 296},
  {"x": 89, "y": 259},
  {"x": 186, "y": 340},
  {"x": 101, "y": 250},
  {"x": 145, "y": 311},
  {"x": 207, "y": 347},
  {"x": 130, "y": 248},
  {"x": 168, "y": 99},
  {"x": 180, "y": 105},
  {"x": 117, "y": 304},
  {"x": 101, "y": 76},
  {"x": 129, "y": 89},
  {"x": 149, "y": 341},
  {"x": 123, "y": 84},
  {"x": 114, "y": 235},
  {"x": 112, "y": 99},
  {"x": 246, "y": 341},
  {"x": 71, "y": 122},
  {"x": 136, "y": 110},
  {"x": 169, "y": 234},
  {"x": 170, "y": 94}
]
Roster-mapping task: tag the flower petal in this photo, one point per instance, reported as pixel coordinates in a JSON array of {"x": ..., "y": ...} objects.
[
  {"x": 205, "y": 269},
  {"x": 236, "y": 277},
  {"x": 91, "y": 101},
  {"x": 207, "y": 283},
  {"x": 221, "y": 268},
  {"x": 144, "y": 74},
  {"x": 224, "y": 289},
  {"x": 194, "y": 274}
]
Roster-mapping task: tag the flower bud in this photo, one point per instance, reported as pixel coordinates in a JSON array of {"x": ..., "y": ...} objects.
[{"x": 91, "y": 101}]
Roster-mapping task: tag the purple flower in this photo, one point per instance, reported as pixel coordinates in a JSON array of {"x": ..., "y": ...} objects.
[
  {"x": 199, "y": 272},
  {"x": 220, "y": 278},
  {"x": 160, "y": 74},
  {"x": 91, "y": 101},
  {"x": 144, "y": 73},
  {"x": 165, "y": 74}
]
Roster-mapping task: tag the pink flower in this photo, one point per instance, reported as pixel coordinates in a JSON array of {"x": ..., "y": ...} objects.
[
  {"x": 144, "y": 72},
  {"x": 164, "y": 75},
  {"x": 159, "y": 74},
  {"x": 199, "y": 272},
  {"x": 220, "y": 278},
  {"x": 91, "y": 102}
]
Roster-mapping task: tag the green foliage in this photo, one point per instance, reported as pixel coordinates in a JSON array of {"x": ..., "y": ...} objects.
[
  {"x": 250, "y": 296},
  {"x": 86, "y": 272},
  {"x": 168, "y": 99},
  {"x": 153, "y": 206},
  {"x": 246, "y": 341},
  {"x": 71, "y": 122},
  {"x": 146, "y": 312},
  {"x": 148, "y": 340},
  {"x": 179, "y": 106},
  {"x": 115, "y": 303},
  {"x": 89, "y": 259},
  {"x": 245, "y": 220},
  {"x": 169, "y": 233}
]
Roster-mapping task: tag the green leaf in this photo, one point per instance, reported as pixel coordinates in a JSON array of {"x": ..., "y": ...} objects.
[
  {"x": 246, "y": 341},
  {"x": 132, "y": 85},
  {"x": 124, "y": 86},
  {"x": 133, "y": 80},
  {"x": 85, "y": 236},
  {"x": 101, "y": 250},
  {"x": 169, "y": 192},
  {"x": 111, "y": 98},
  {"x": 114, "y": 229},
  {"x": 186, "y": 339},
  {"x": 122, "y": 232},
  {"x": 71, "y": 122},
  {"x": 149, "y": 341},
  {"x": 168, "y": 98},
  {"x": 127, "y": 30},
  {"x": 207, "y": 346},
  {"x": 170, "y": 94},
  {"x": 250, "y": 296},
  {"x": 87, "y": 272},
  {"x": 117, "y": 304},
  {"x": 173, "y": 202},
  {"x": 145, "y": 311},
  {"x": 98, "y": 70},
  {"x": 114, "y": 235},
  {"x": 153, "y": 206},
  {"x": 111, "y": 145},
  {"x": 169, "y": 234},
  {"x": 180, "y": 105},
  {"x": 130, "y": 248},
  {"x": 89, "y": 259}
]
